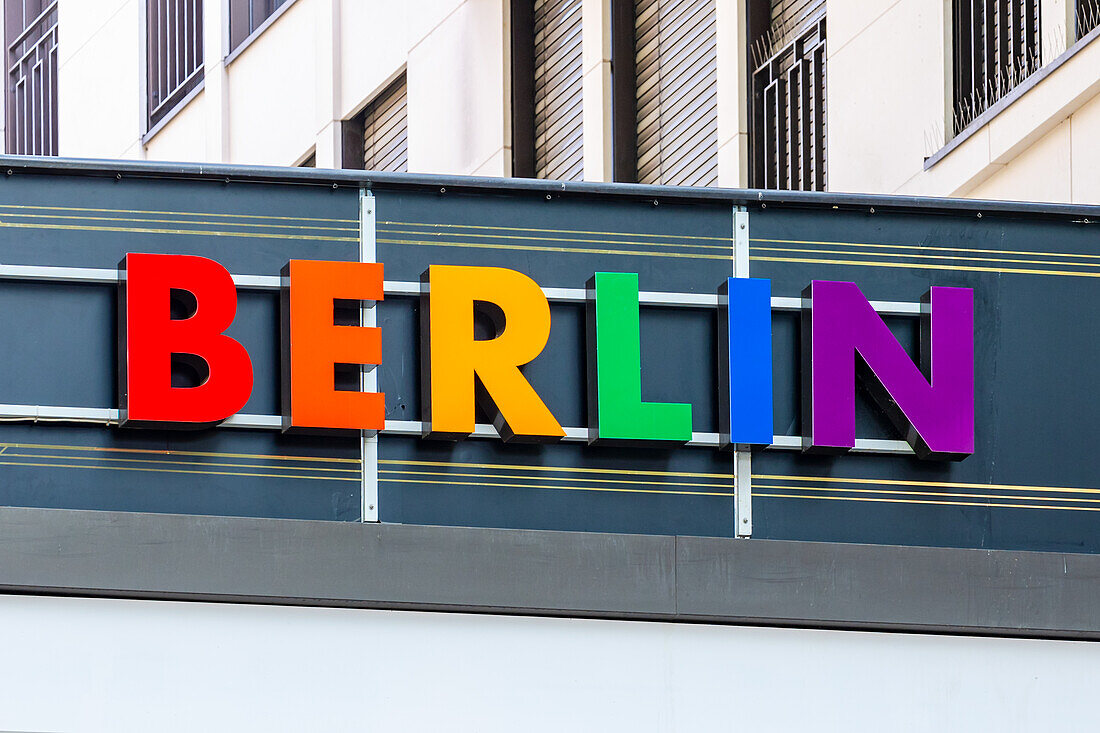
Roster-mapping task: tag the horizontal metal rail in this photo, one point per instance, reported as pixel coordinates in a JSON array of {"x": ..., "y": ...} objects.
[
  {"x": 252, "y": 421},
  {"x": 108, "y": 416},
  {"x": 403, "y": 288}
]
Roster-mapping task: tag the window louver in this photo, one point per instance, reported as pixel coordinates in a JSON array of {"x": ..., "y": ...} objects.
[
  {"x": 676, "y": 92},
  {"x": 385, "y": 131},
  {"x": 559, "y": 71}
]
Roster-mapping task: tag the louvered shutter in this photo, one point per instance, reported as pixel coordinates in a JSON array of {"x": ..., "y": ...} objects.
[
  {"x": 559, "y": 71},
  {"x": 385, "y": 136},
  {"x": 676, "y": 81}
]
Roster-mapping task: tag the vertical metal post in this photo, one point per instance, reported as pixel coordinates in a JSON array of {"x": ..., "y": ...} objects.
[
  {"x": 368, "y": 379},
  {"x": 742, "y": 459}
]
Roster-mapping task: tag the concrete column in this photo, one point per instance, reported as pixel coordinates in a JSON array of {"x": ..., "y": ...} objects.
[
  {"x": 596, "y": 96},
  {"x": 215, "y": 24},
  {"x": 733, "y": 99},
  {"x": 457, "y": 94},
  {"x": 327, "y": 85}
]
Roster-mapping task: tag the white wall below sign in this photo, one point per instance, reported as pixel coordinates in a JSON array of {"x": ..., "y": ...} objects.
[{"x": 117, "y": 665}]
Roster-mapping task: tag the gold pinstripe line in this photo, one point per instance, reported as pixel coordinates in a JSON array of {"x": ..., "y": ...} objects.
[
  {"x": 177, "y": 452},
  {"x": 686, "y": 255},
  {"x": 926, "y": 256},
  {"x": 553, "y": 478},
  {"x": 908, "y": 482},
  {"x": 975, "y": 495},
  {"x": 611, "y": 489},
  {"x": 923, "y": 501},
  {"x": 180, "y": 221},
  {"x": 197, "y": 232},
  {"x": 182, "y": 463},
  {"x": 176, "y": 470},
  {"x": 924, "y": 266},
  {"x": 726, "y": 247},
  {"x": 930, "y": 247},
  {"x": 574, "y": 250},
  {"x": 392, "y": 462},
  {"x": 178, "y": 213},
  {"x": 552, "y": 231}
]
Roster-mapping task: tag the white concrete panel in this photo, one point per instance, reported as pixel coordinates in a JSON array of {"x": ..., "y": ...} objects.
[
  {"x": 1085, "y": 151},
  {"x": 116, "y": 665},
  {"x": 848, "y": 18},
  {"x": 1040, "y": 173},
  {"x": 272, "y": 91},
  {"x": 99, "y": 82},
  {"x": 184, "y": 137},
  {"x": 456, "y": 91},
  {"x": 374, "y": 44},
  {"x": 82, "y": 20},
  {"x": 885, "y": 95}
]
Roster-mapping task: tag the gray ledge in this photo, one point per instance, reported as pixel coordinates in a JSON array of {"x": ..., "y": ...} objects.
[{"x": 688, "y": 579}]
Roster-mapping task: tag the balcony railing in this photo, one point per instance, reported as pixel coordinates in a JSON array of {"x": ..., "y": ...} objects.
[
  {"x": 1087, "y": 16},
  {"x": 996, "y": 46},
  {"x": 174, "y": 52},
  {"x": 789, "y": 112},
  {"x": 32, "y": 78},
  {"x": 245, "y": 16}
]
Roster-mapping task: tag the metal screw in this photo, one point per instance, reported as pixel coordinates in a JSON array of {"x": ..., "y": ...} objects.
[
  {"x": 745, "y": 520},
  {"x": 335, "y": 185},
  {"x": 371, "y": 506},
  {"x": 655, "y": 202},
  {"x": 548, "y": 197},
  {"x": 742, "y": 226},
  {"x": 763, "y": 206},
  {"x": 443, "y": 190},
  {"x": 979, "y": 215},
  {"x": 9, "y": 171},
  {"x": 118, "y": 176}
]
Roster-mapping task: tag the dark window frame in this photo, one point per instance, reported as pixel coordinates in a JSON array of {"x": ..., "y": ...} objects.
[
  {"x": 174, "y": 61},
  {"x": 31, "y": 99},
  {"x": 249, "y": 17}
]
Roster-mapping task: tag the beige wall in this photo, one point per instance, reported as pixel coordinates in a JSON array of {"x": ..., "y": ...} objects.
[
  {"x": 99, "y": 75},
  {"x": 321, "y": 61},
  {"x": 886, "y": 95},
  {"x": 1062, "y": 166}
]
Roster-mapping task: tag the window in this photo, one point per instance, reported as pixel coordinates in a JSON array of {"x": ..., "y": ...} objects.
[
  {"x": 995, "y": 46},
  {"x": 675, "y": 94},
  {"x": 1088, "y": 16},
  {"x": 664, "y": 91},
  {"x": 377, "y": 138},
  {"x": 547, "y": 90},
  {"x": 174, "y": 54},
  {"x": 788, "y": 123},
  {"x": 245, "y": 16},
  {"x": 31, "y": 37}
]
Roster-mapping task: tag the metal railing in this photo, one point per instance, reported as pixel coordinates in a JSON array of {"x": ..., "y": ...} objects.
[
  {"x": 996, "y": 45},
  {"x": 32, "y": 78},
  {"x": 1087, "y": 17},
  {"x": 245, "y": 16},
  {"x": 174, "y": 45},
  {"x": 789, "y": 121}
]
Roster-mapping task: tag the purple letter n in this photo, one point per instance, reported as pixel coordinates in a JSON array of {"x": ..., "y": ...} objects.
[{"x": 932, "y": 406}]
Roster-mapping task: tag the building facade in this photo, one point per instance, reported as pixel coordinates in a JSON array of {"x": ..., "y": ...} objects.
[
  {"x": 960, "y": 98},
  {"x": 599, "y": 543}
]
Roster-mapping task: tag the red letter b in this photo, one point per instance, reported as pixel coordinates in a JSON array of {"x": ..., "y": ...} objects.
[{"x": 151, "y": 336}]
